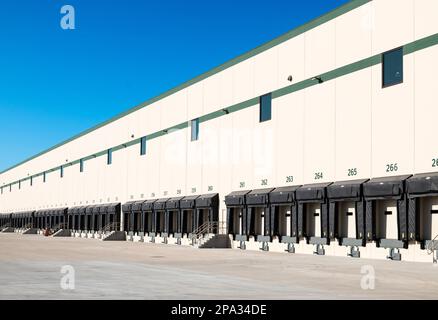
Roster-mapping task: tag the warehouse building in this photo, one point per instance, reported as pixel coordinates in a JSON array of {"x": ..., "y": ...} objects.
[{"x": 320, "y": 141}]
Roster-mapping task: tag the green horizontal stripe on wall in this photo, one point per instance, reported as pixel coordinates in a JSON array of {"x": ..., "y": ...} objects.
[
  {"x": 328, "y": 76},
  {"x": 421, "y": 44},
  {"x": 353, "y": 4}
]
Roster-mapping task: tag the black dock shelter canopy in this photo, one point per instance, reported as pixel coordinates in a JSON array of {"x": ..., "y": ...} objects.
[
  {"x": 87, "y": 217},
  {"x": 313, "y": 194},
  {"x": 23, "y": 219},
  {"x": 417, "y": 187},
  {"x": 284, "y": 197},
  {"x": 387, "y": 188},
  {"x": 72, "y": 214},
  {"x": 75, "y": 217},
  {"x": 258, "y": 199},
  {"x": 15, "y": 220},
  {"x": 5, "y": 220},
  {"x": 236, "y": 214},
  {"x": 60, "y": 218},
  {"x": 28, "y": 218},
  {"x": 147, "y": 208},
  {"x": 110, "y": 217},
  {"x": 134, "y": 217},
  {"x": 93, "y": 216},
  {"x": 159, "y": 214},
  {"x": 39, "y": 219},
  {"x": 207, "y": 211},
  {"x": 347, "y": 191},
  {"x": 172, "y": 215},
  {"x": 187, "y": 220},
  {"x": 128, "y": 216},
  {"x": 137, "y": 218}
]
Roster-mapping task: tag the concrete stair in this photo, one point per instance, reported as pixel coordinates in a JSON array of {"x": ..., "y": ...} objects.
[
  {"x": 218, "y": 241},
  {"x": 115, "y": 236},
  {"x": 30, "y": 231},
  {"x": 62, "y": 233}
]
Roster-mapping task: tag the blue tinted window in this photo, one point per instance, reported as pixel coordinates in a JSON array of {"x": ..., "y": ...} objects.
[
  {"x": 81, "y": 165},
  {"x": 62, "y": 171},
  {"x": 143, "y": 146},
  {"x": 266, "y": 107},
  {"x": 393, "y": 67},
  {"x": 195, "y": 129},
  {"x": 44, "y": 177},
  {"x": 110, "y": 156}
]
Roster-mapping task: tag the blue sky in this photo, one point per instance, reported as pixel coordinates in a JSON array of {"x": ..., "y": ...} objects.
[{"x": 56, "y": 83}]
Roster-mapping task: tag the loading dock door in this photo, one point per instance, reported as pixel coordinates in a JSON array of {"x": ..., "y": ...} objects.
[
  {"x": 312, "y": 220},
  {"x": 105, "y": 220},
  {"x": 91, "y": 217},
  {"x": 207, "y": 210},
  {"x": 173, "y": 215},
  {"x": 237, "y": 213},
  {"x": 148, "y": 207},
  {"x": 434, "y": 219},
  {"x": 316, "y": 219},
  {"x": 159, "y": 213},
  {"x": 422, "y": 191},
  {"x": 347, "y": 220},
  {"x": 112, "y": 214},
  {"x": 138, "y": 216},
  {"x": 127, "y": 211},
  {"x": 313, "y": 208},
  {"x": 390, "y": 224},
  {"x": 70, "y": 215},
  {"x": 258, "y": 217},
  {"x": 386, "y": 211},
  {"x": 284, "y": 214},
  {"x": 187, "y": 220},
  {"x": 346, "y": 212},
  {"x": 80, "y": 218}
]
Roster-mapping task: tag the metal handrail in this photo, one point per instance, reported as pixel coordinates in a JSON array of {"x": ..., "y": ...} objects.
[
  {"x": 431, "y": 245},
  {"x": 207, "y": 227},
  {"x": 7, "y": 225},
  {"x": 113, "y": 226}
]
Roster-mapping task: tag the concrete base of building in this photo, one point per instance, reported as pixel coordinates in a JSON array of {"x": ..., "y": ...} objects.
[
  {"x": 62, "y": 233},
  {"x": 414, "y": 253},
  {"x": 185, "y": 241},
  {"x": 137, "y": 238}
]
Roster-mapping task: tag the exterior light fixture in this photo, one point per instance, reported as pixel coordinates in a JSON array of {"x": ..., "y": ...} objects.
[
  {"x": 290, "y": 78},
  {"x": 319, "y": 79}
]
